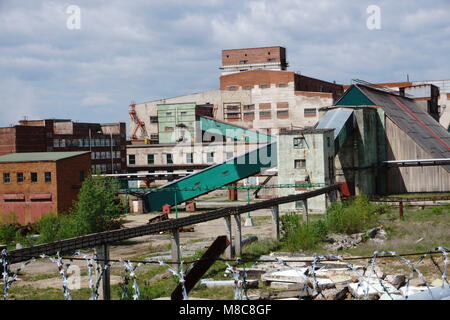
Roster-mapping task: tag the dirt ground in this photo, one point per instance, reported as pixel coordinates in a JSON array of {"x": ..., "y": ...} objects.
[{"x": 44, "y": 274}]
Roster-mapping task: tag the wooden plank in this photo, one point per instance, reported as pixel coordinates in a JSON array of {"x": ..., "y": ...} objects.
[{"x": 199, "y": 269}]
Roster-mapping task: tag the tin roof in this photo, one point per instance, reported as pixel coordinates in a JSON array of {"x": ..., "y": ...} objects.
[
  {"x": 39, "y": 156},
  {"x": 413, "y": 120}
]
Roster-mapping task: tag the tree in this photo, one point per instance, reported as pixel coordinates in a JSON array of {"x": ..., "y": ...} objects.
[{"x": 98, "y": 207}]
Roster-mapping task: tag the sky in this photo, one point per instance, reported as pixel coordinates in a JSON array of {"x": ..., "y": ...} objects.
[{"x": 88, "y": 60}]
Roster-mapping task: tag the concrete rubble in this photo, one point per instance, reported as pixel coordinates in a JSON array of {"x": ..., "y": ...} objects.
[{"x": 335, "y": 280}]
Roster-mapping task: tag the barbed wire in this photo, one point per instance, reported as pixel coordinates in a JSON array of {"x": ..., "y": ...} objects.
[{"x": 240, "y": 282}]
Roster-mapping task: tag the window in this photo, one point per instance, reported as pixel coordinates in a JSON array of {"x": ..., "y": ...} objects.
[
  {"x": 282, "y": 85},
  {"x": 19, "y": 177},
  {"x": 131, "y": 159},
  {"x": 55, "y": 143},
  {"x": 249, "y": 107},
  {"x": 170, "y": 129},
  {"x": 154, "y": 136},
  {"x": 271, "y": 60},
  {"x": 249, "y": 115},
  {"x": 150, "y": 159},
  {"x": 33, "y": 177},
  {"x": 48, "y": 177},
  {"x": 265, "y": 114},
  {"x": 300, "y": 164},
  {"x": 283, "y": 114},
  {"x": 169, "y": 158},
  {"x": 299, "y": 143},
  {"x": 243, "y": 62},
  {"x": 265, "y": 106},
  {"x": 229, "y": 155},
  {"x": 184, "y": 113},
  {"x": 168, "y": 113},
  {"x": 153, "y": 119},
  {"x": 189, "y": 157},
  {"x": 210, "y": 157},
  {"x": 310, "y": 112},
  {"x": 248, "y": 87},
  {"x": 328, "y": 142},
  {"x": 6, "y": 178},
  {"x": 82, "y": 175},
  {"x": 232, "y": 88},
  {"x": 264, "y": 86}
]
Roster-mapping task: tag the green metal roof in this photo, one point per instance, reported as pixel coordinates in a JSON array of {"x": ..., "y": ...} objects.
[
  {"x": 354, "y": 97},
  {"x": 39, "y": 156}
]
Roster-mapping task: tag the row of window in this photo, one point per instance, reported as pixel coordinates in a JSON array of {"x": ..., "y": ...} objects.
[
  {"x": 169, "y": 158},
  {"x": 105, "y": 155},
  {"x": 86, "y": 142},
  {"x": 281, "y": 114},
  {"x": 262, "y": 86},
  {"x": 20, "y": 178},
  {"x": 106, "y": 168}
]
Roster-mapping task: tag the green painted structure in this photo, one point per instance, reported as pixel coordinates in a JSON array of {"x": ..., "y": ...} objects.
[
  {"x": 231, "y": 131},
  {"x": 177, "y": 122},
  {"x": 219, "y": 175}
]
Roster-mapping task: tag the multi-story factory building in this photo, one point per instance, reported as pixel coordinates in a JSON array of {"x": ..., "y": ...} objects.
[
  {"x": 256, "y": 92},
  {"x": 106, "y": 142}
]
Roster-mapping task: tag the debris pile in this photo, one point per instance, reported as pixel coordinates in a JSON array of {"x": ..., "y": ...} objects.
[{"x": 291, "y": 277}]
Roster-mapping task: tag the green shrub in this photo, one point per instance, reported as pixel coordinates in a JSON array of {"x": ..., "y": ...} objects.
[
  {"x": 8, "y": 228},
  {"x": 437, "y": 210},
  {"x": 53, "y": 227},
  {"x": 350, "y": 217},
  {"x": 297, "y": 235}
]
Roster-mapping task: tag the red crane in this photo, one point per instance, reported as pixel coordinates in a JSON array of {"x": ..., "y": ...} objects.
[{"x": 139, "y": 124}]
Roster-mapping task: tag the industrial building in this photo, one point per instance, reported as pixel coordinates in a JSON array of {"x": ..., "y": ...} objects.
[
  {"x": 382, "y": 142},
  {"x": 36, "y": 183},
  {"x": 106, "y": 142},
  {"x": 436, "y": 92},
  {"x": 256, "y": 92}
]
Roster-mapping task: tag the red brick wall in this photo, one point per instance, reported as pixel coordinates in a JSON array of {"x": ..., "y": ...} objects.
[
  {"x": 256, "y": 77},
  {"x": 68, "y": 179},
  {"x": 7, "y": 140},
  {"x": 253, "y": 55},
  {"x": 28, "y": 211},
  {"x": 303, "y": 83}
]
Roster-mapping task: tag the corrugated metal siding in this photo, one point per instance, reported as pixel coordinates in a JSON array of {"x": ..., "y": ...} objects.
[{"x": 411, "y": 179}]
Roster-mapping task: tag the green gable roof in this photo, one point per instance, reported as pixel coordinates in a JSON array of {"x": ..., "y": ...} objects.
[
  {"x": 39, "y": 156},
  {"x": 354, "y": 97}
]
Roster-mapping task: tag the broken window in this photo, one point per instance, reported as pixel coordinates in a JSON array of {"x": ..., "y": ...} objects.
[{"x": 299, "y": 143}]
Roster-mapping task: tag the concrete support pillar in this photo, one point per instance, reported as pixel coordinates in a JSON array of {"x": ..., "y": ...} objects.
[
  {"x": 305, "y": 212},
  {"x": 276, "y": 222},
  {"x": 175, "y": 247},
  {"x": 229, "y": 249},
  {"x": 104, "y": 290},
  {"x": 238, "y": 239}
]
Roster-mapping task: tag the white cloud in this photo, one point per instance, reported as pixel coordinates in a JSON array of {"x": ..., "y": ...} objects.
[{"x": 96, "y": 100}]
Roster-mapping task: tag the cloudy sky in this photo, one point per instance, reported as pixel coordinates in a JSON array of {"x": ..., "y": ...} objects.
[{"x": 145, "y": 50}]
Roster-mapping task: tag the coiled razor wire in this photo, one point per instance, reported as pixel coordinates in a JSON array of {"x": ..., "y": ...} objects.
[
  {"x": 130, "y": 272},
  {"x": 179, "y": 274},
  {"x": 7, "y": 280},
  {"x": 240, "y": 280}
]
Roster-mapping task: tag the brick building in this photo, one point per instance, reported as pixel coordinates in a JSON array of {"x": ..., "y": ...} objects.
[
  {"x": 107, "y": 142},
  {"x": 36, "y": 183},
  {"x": 256, "y": 91}
]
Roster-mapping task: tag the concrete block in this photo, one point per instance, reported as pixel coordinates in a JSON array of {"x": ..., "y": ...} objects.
[
  {"x": 385, "y": 296},
  {"x": 360, "y": 292},
  {"x": 396, "y": 280},
  {"x": 341, "y": 279},
  {"x": 285, "y": 276},
  {"x": 412, "y": 290},
  {"x": 285, "y": 285}
]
